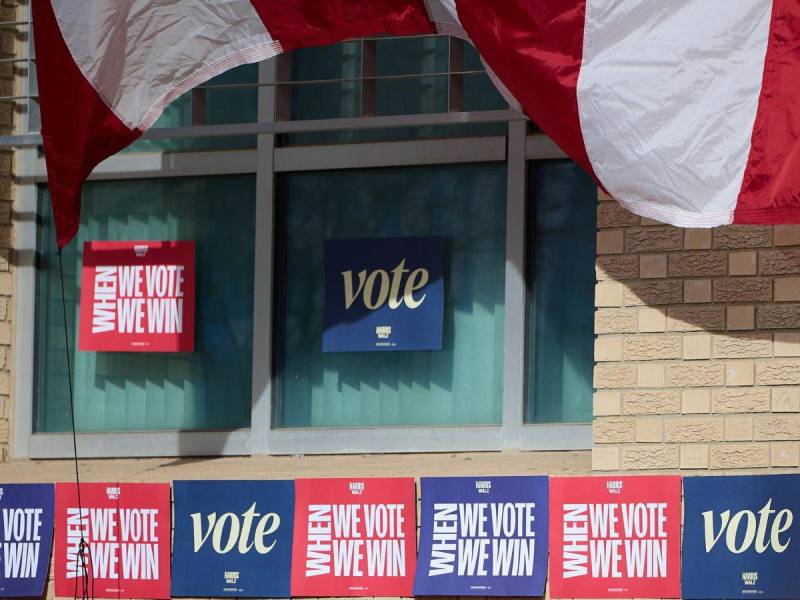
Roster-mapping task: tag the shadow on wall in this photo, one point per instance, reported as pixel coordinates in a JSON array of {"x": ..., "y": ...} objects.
[{"x": 721, "y": 304}]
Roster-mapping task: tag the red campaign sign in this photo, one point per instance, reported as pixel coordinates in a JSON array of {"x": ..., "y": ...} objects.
[
  {"x": 127, "y": 529},
  {"x": 137, "y": 297},
  {"x": 615, "y": 537},
  {"x": 354, "y": 537}
]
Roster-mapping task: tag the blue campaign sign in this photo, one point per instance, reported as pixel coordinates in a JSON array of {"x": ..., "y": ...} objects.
[
  {"x": 232, "y": 538},
  {"x": 741, "y": 537},
  {"x": 482, "y": 536},
  {"x": 26, "y": 538},
  {"x": 383, "y": 294}
]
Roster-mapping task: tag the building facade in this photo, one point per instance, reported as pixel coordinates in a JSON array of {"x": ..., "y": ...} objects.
[{"x": 570, "y": 324}]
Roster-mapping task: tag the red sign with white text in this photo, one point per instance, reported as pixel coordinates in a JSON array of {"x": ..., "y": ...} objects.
[
  {"x": 126, "y": 527},
  {"x": 354, "y": 537},
  {"x": 615, "y": 537},
  {"x": 137, "y": 297}
]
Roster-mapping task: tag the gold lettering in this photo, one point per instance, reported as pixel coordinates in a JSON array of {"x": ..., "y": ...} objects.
[
  {"x": 777, "y": 529},
  {"x": 383, "y": 291},
  {"x": 412, "y": 287}
]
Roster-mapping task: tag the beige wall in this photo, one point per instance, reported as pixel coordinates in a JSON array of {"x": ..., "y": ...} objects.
[
  {"x": 9, "y": 43},
  {"x": 697, "y": 350}
]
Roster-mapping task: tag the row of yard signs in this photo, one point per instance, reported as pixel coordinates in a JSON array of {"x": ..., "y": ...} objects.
[{"x": 603, "y": 537}]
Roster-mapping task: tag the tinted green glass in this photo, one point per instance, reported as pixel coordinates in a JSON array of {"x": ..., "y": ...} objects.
[
  {"x": 560, "y": 279},
  {"x": 207, "y": 389},
  {"x": 235, "y": 104},
  {"x": 412, "y": 84},
  {"x": 461, "y": 384}
]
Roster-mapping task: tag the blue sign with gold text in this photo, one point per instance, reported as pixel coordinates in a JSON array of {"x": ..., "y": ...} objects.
[
  {"x": 233, "y": 538},
  {"x": 383, "y": 294},
  {"x": 741, "y": 537}
]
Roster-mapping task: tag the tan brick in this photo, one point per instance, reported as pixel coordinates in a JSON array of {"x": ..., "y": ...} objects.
[
  {"x": 613, "y": 430},
  {"x": 785, "y": 400},
  {"x": 653, "y": 292},
  {"x": 698, "y": 264},
  {"x": 694, "y": 429},
  {"x": 610, "y": 242},
  {"x": 6, "y": 284},
  {"x": 652, "y": 266},
  {"x": 647, "y": 222},
  {"x": 5, "y": 334},
  {"x": 651, "y": 402},
  {"x": 616, "y": 320},
  {"x": 603, "y": 196},
  {"x": 696, "y": 401},
  {"x": 653, "y": 239},
  {"x": 647, "y": 457},
  {"x": 784, "y": 426},
  {"x": 607, "y": 403},
  {"x": 739, "y": 372},
  {"x": 740, "y": 236},
  {"x": 608, "y": 349},
  {"x": 652, "y": 347},
  {"x": 740, "y": 400},
  {"x": 742, "y": 263},
  {"x": 616, "y": 267},
  {"x": 612, "y": 214},
  {"x": 739, "y": 428},
  {"x": 787, "y": 289},
  {"x": 696, "y": 374},
  {"x": 786, "y": 344},
  {"x": 778, "y": 372},
  {"x": 694, "y": 456},
  {"x": 739, "y": 456},
  {"x": 740, "y": 318},
  {"x": 779, "y": 316},
  {"x": 697, "y": 290},
  {"x": 743, "y": 345},
  {"x": 779, "y": 262},
  {"x": 696, "y": 318},
  {"x": 649, "y": 429},
  {"x": 652, "y": 320},
  {"x": 605, "y": 458},
  {"x": 697, "y": 239},
  {"x": 608, "y": 293},
  {"x": 696, "y": 346},
  {"x": 742, "y": 289},
  {"x": 650, "y": 375},
  {"x": 614, "y": 376},
  {"x": 784, "y": 454},
  {"x": 786, "y": 235}
]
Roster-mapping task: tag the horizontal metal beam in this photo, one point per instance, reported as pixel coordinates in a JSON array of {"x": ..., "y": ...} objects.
[
  {"x": 307, "y": 126},
  {"x": 390, "y": 154}
]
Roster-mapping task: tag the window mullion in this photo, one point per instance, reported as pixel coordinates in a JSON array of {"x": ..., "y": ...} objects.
[{"x": 514, "y": 359}]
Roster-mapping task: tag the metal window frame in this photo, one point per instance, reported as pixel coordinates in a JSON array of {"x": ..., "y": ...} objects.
[{"x": 265, "y": 161}]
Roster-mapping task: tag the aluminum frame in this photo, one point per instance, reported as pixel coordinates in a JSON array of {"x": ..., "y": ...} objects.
[{"x": 265, "y": 161}]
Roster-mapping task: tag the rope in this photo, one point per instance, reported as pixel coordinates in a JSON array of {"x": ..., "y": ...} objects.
[{"x": 81, "y": 563}]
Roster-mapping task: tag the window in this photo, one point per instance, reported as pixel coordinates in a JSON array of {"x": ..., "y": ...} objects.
[
  {"x": 460, "y": 385},
  {"x": 388, "y": 77},
  {"x": 515, "y": 368},
  {"x": 207, "y": 389},
  {"x": 560, "y": 281}
]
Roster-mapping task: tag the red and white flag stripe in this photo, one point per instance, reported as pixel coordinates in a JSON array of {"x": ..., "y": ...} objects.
[{"x": 685, "y": 111}]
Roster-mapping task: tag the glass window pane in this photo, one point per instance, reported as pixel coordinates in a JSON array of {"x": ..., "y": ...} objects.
[
  {"x": 459, "y": 385},
  {"x": 236, "y": 104},
  {"x": 207, "y": 389},
  {"x": 479, "y": 91},
  {"x": 560, "y": 279}
]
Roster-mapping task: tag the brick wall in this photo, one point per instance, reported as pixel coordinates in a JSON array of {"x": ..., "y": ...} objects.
[
  {"x": 698, "y": 348},
  {"x": 10, "y": 43}
]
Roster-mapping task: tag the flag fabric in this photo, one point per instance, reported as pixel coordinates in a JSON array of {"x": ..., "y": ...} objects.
[{"x": 684, "y": 111}]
